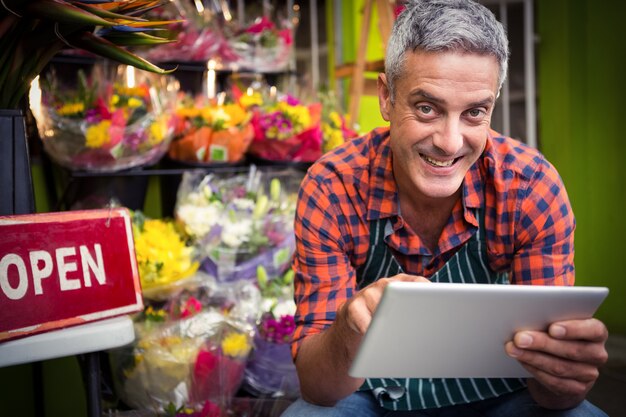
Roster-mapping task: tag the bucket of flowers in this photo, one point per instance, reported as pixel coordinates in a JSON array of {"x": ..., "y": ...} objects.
[
  {"x": 193, "y": 29},
  {"x": 270, "y": 371},
  {"x": 167, "y": 263},
  {"x": 285, "y": 130},
  {"x": 190, "y": 350},
  {"x": 208, "y": 132},
  {"x": 262, "y": 45},
  {"x": 106, "y": 123},
  {"x": 240, "y": 220}
]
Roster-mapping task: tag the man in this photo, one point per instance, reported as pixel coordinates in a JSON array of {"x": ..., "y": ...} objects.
[{"x": 402, "y": 202}]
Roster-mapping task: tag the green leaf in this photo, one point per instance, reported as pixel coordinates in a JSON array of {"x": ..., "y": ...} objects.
[
  {"x": 103, "y": 47},
  {"x": 106, "y": 14},
  {"x": 64, "y": 12},
  {"x": 134, "y": 39}
]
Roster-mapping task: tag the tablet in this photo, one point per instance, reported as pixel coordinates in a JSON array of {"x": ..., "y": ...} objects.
[{"x": 445, "y": 330}]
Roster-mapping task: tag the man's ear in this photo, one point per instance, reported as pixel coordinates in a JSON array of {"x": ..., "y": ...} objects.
[{"x": 384, "y": 96}]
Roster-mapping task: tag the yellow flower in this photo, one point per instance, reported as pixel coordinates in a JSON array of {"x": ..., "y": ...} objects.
[
  {"x": 114, "y": 100},
  {"x": 130, "y": 91},
  {"x": 248, "y": 100},
  {"x": 298, "y": 114},
  {"x": 70, "y": 109},
  {"x": 238, "y": 115},
  {"x": 335, "y": 119},
  {"x": 188, "y": 112},
  {"x": 133, "y": 103},
  {"x": 162, "y": 256},
  {"x": 236, "y": 345},
  {"x": 158, "y": 130},
  {"x": 97, "y": 136}
]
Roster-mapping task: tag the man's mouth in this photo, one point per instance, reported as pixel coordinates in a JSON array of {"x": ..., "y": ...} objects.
[{"x": 437, "y": 162}]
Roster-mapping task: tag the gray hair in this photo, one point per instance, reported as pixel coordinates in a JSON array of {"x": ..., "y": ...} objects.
[{"x": 445, "y": 25}]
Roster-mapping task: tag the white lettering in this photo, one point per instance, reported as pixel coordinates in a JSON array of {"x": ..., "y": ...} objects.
[
  {"x": 38, "y": 274},
  {"x": 96, "y": 267},
  {"x": 63, "y": 268},
  {"x": 22, "y": 286}
]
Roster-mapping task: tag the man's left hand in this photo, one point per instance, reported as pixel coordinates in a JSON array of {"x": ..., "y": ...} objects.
[{"x": 563, "y": 361}]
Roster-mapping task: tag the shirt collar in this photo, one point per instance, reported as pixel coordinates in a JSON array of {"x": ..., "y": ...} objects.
[{"x": 383, "y": 199}]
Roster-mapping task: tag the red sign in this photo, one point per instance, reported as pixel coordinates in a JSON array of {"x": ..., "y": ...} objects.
[{"x": 63, "y": 269}]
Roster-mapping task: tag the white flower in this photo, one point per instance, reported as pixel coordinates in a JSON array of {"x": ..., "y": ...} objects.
[
  {"x": 243, "y": 204},
  {"x": 235, "y": 233},
  {"x": 285, "y": 307},
  {"x": 198, "y": 220}
]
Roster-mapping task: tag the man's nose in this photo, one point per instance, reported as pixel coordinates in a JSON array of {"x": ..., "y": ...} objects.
[{"x": 449, "y": 138}]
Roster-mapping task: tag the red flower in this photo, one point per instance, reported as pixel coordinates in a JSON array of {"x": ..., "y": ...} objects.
[{"x": 261, "y": 24}]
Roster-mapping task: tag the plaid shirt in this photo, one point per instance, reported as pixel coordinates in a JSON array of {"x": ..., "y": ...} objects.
[{"x": 528, "y": 219}]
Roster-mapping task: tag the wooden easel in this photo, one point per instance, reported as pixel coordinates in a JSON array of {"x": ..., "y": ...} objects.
[{"x": 360, "y": 85}]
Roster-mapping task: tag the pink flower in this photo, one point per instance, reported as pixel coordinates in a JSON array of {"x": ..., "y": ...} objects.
[
  {"x": 191, "y": 307},
  {"x": 118, "y": 126},
  {"x": 261, "y": 24},
  {"x": 285, "y": 34}
]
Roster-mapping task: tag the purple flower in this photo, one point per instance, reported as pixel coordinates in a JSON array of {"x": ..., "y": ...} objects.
[{"x": 277, "y": 331}]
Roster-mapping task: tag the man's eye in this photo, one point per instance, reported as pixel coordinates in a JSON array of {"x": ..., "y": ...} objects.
[
  {"x": 475, "y": 112},
  {"x": 425, "y": 109}
]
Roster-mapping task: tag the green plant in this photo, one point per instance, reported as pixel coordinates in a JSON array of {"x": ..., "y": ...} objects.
[{"x": 33, "y": 31}]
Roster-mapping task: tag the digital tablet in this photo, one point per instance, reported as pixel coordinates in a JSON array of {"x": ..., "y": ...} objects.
[{"x": 445, "y": 330}]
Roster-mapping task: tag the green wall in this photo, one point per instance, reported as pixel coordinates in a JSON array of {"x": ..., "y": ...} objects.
[{"x": 581, "y": 68}]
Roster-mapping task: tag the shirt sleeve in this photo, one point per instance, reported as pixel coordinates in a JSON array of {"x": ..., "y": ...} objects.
[
  {"x": 324, "y": 277},
  {"x": 544, "y": 252}
]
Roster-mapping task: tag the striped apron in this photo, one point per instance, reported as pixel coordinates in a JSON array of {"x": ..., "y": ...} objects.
[{"x": 468, "y": 265}]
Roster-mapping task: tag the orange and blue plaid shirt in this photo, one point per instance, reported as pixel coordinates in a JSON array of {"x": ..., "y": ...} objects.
[{"x": 528, "y": 219}]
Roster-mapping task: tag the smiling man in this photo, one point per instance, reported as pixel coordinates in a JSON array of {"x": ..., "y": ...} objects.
[{"x": 435, "y": 197}]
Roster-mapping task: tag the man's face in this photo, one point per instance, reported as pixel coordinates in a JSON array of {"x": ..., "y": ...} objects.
[{"x": 439, "y": 119}]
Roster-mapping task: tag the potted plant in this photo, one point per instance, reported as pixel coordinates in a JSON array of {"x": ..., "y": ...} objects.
[{"x": 31, "y": 33}]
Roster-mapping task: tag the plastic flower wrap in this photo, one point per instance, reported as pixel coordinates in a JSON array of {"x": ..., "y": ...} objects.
[
  {"x": 270, "y": 370},
  {"x": 106, "y": 124},
  {"x": 196, "y": 38},
  {"x": 260, "y": 46},
  {"x": 210, "y": 132},
  {"x": 240, "y": 220},
  {"x": 190, "y": 351},
  {"x": 166, "y": 263},
  {"x": 285, "y": 129}
]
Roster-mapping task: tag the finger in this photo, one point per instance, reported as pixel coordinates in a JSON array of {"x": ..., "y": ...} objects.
[
  {"x": 361, "y": 307},
  {"x": 556, "y": 367},
  {"x": 558, "y": 385},
  {"x": 590, "y": 329},
  {"x": 575, "y": 350},
  {"x": 358, "y": 315},
  {"x": 409, "y": 278}
]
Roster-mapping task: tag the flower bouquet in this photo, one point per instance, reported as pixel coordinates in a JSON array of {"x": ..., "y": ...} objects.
[
  {"x": 260, "y": 46},
  {"x": 166, "y": 263},
  {"x": 270, "y": 370},
  {"x": 193, "y": 32},
  {"x": 188, "y": 351},
  {"x": 286, "y": 130},
  {"x": 208, "y": 132},
  {"x": 335, "y": 125},
  {"x": 240, "y": 221},
  {"x": 108, "y": 125}
]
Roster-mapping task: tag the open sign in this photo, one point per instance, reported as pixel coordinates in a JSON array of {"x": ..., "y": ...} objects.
[{"x": 63, "y": 269}]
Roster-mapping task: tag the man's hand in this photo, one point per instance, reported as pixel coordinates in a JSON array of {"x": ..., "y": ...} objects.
[
  {"x": 358, "y": 311},
  {"x": 564, "y": 361},
  {"x": 328, "y": 355}
]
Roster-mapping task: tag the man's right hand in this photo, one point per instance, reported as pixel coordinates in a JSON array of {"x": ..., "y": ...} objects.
[
  {"x": 359, "y": 310},
  {"x": 329, "y": 355}
]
